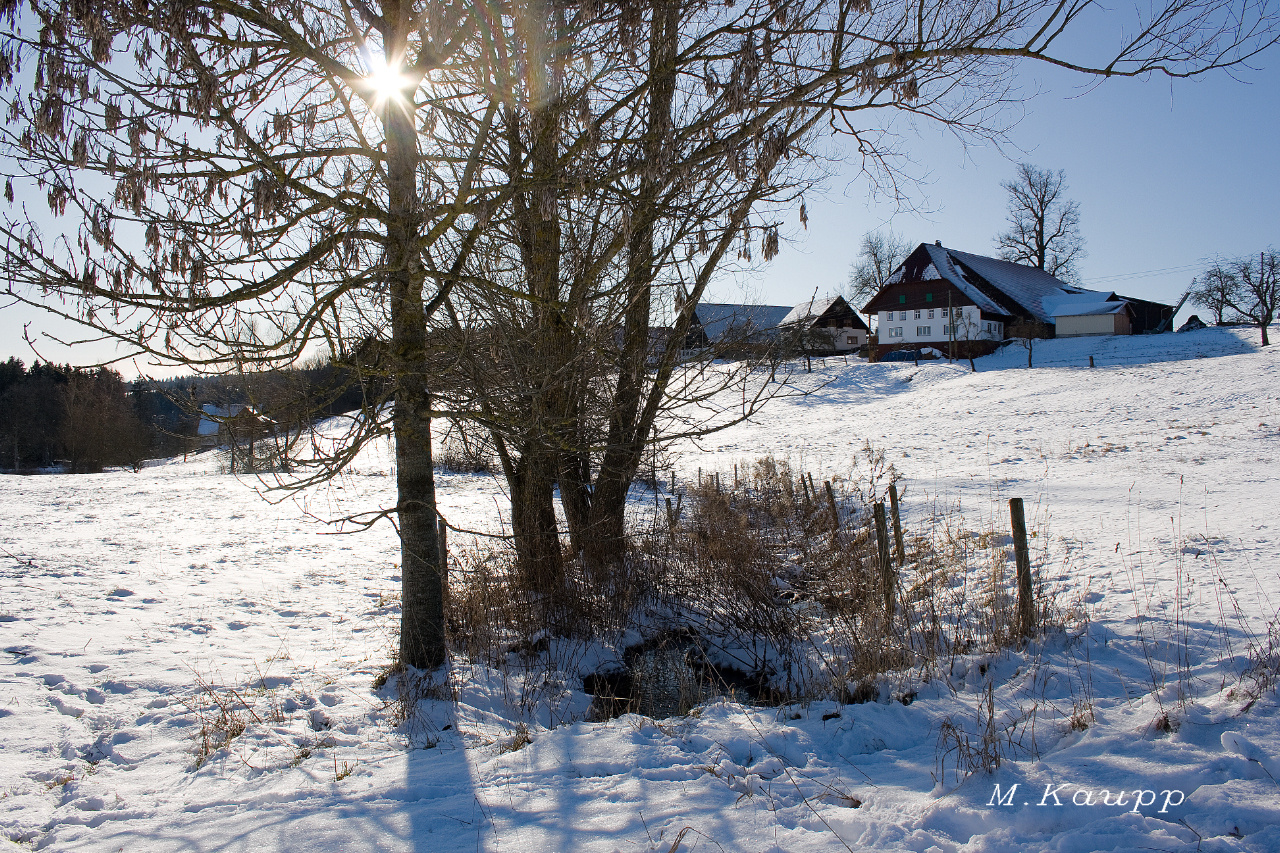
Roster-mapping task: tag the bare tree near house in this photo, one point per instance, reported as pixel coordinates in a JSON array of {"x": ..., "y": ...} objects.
[
  {"x": 1248, "y": 286},
  {"x": 879, "y": 254},
  {"x": 229, "y": 185},
  {"x": 1044, "y": 225},
  {"x": 966, "y": 331},
  {"x": 1027, "y": 331}
]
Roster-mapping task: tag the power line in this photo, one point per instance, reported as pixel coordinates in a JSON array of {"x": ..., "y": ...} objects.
[{"x": 1144, "y": 274}]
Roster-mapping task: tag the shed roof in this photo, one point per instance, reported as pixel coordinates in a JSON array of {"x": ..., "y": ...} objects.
[
  {"x": 813, "y": 308},
  {"x": 720, "y": 319},
  {"x": 215, "y": 416}
]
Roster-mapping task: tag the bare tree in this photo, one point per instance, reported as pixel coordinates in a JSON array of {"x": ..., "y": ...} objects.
[
  {"x": 879, "y": 254},
  {"x": 966, "y": 334},
  {"x": 1044, "y": 225},
  {"x": 1250, "y": 287},
  {"x": 1028, "y": 331},
  {"x": 1215, "y": 289},
  {"x": 232, "y": 185}
]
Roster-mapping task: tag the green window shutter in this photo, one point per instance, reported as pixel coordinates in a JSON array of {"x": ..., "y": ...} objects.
[
  {"x": 928, "y": 297},
  {"x": 902, "y": 299}
]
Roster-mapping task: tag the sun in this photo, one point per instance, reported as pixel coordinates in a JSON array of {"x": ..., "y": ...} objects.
[{"x": 386, "y": 80}]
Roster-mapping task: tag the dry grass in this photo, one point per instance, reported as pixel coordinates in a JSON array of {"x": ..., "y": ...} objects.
[
  {"x": 223, "y": 714},
  {"x": 762, "y": 582}
]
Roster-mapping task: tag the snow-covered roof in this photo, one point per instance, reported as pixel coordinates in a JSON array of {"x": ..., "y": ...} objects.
[
  {"x": 1029, "y": 287},
  {"x": 942, "y": 267},
  {"x": 1084, "y": 303},
  {"x": 1003, "y": 287},
  {"x": 807, "y": 310},
  {"x": 215, "y": 416},
  {"x": 720, "y": 319}
]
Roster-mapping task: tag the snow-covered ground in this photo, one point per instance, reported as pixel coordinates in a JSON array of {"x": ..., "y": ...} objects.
[{"x": 145, "y": 617}]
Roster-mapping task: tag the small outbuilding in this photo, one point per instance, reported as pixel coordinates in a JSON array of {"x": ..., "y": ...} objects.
[
  {"x": 826, "y": 326},
  {"x": 235, "y": 424}
]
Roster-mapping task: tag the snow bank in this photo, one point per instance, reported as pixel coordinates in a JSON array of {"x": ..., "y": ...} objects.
[{"x": 188, "y": 667}]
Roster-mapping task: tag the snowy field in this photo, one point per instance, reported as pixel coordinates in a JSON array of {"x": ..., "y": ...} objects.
[{"x": 187, "y": 667}]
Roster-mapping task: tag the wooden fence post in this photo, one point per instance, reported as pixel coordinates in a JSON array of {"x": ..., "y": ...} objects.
[
  {"x": 882, "y": 553},
  {"x": 442, "y": 541},
  {"x": 1022, "y": 556},
  {"x": 897, "y": 524}
]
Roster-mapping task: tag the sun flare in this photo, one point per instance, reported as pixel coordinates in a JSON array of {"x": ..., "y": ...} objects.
[{"x": 386, "y": 80}]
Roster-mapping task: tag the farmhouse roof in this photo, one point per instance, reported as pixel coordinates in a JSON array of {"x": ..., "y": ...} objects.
[
  {"x": 1002, "y": 287},
  {"x": 719, "y": 319},
  {"x": 812, "y": 309}
]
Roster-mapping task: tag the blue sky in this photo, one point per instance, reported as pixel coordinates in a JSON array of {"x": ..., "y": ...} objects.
[{"x": 1167, "y": 173}]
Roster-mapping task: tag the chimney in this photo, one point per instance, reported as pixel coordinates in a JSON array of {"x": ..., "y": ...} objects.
[{"x": 937, "y": 242}]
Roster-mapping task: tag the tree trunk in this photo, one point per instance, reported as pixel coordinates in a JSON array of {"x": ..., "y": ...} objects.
[
  {"x": 422, "y": 639},
  {"x": 606, "y": 540},
  {"x": 533, "y": 522},
  {"x": 550, "y": 400}
]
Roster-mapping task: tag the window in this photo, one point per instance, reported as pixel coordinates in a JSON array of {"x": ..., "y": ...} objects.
[
  {"x": 904, "y": 315},
  {"x": 930, "y": 313},
  {"x": 988, "y": 327},
  {"x": 853, "y": 339},
  {"x": 928, "y": 297},
  {"x": 902, "y": 298},
  {"x": 923, "y": 331},
  {"x": 895, "y": 332},
  {"x": 944, "y": 312},
  {"x": 917, "y": 316}
]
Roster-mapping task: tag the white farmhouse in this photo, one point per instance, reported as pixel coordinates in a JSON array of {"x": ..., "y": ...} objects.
[{"x": 965, "y": 304}]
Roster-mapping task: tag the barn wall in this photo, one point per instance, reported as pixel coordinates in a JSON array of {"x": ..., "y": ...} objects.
[{"x": 1092, "y": 324}]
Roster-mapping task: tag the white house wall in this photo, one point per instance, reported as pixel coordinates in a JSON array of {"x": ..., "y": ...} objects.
[
  {"x": 846, "y": 338},
  {"x": 928, "y": 325}
]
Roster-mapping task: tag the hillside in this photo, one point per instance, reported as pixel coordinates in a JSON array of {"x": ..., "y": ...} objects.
[{"x": 189, "y": 667}]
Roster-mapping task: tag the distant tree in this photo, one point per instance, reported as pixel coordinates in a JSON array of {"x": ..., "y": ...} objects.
[
  {"x": 1214, "y": 290},
  {"x": 1028, "y": 331},
  {"x": 100, "y": 427},
  {"x": 1250, "y": 287},
  {"x": 879, "y": 254},
  {"x": 1044, "y": 225},
  {"x": 32, "y": 410}
]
